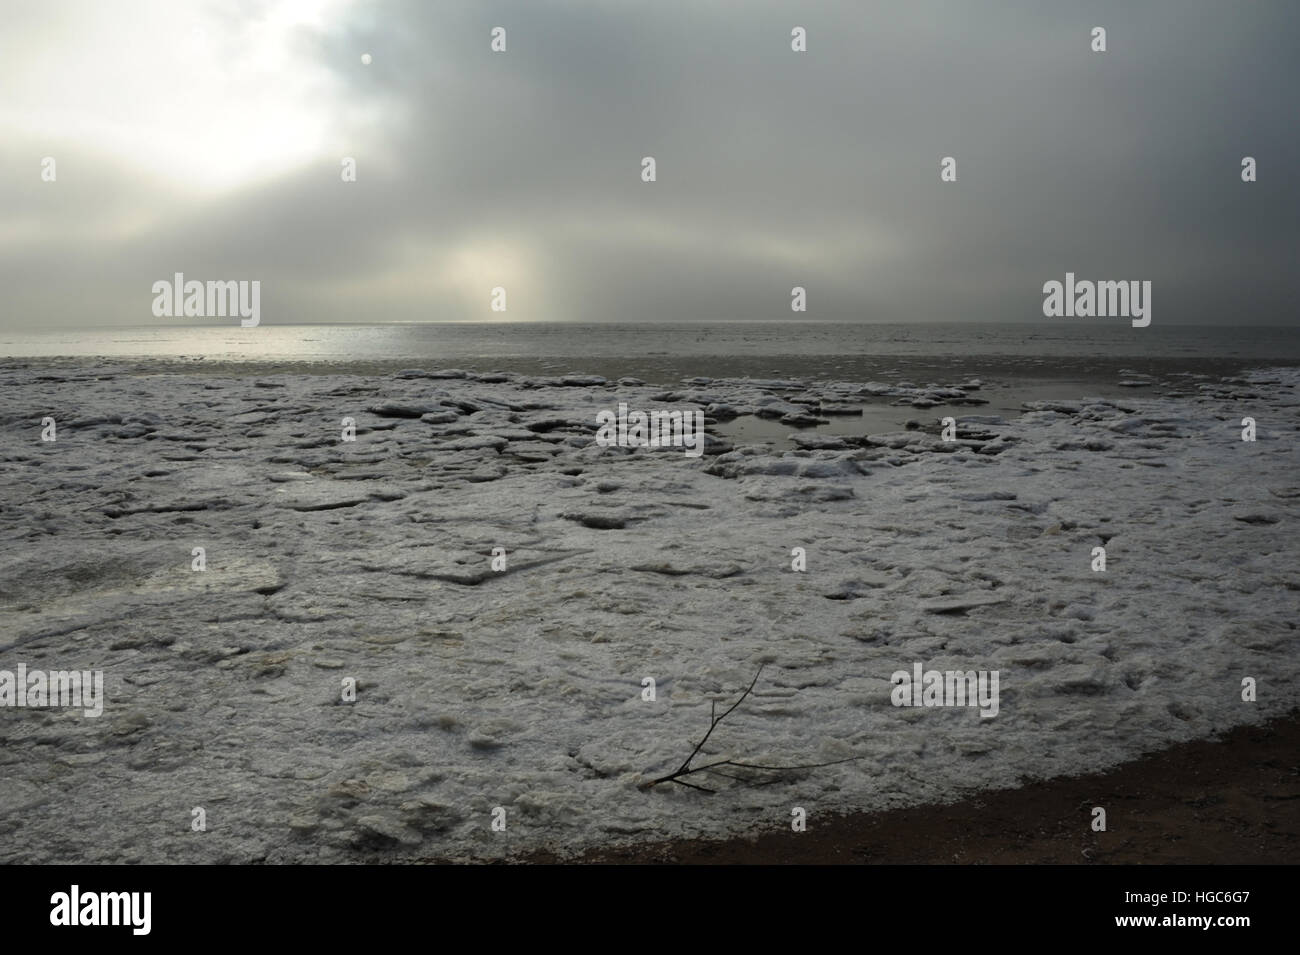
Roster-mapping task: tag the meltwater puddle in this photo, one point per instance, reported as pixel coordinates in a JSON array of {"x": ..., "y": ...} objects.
[{"x": 879, "y": 416}]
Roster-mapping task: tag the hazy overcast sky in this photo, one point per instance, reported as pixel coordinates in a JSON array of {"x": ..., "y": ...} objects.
[{"x": 206, "y": 138}]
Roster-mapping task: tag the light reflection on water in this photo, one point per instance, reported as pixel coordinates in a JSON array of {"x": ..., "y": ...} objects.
[{"x": 488, "y": 340}]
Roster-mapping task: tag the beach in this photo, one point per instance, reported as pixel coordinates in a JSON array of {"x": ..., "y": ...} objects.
[{"x": 494, "y": 588}]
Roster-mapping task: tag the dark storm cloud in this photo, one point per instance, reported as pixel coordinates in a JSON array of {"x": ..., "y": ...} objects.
[{"x": 775, "y": 169}]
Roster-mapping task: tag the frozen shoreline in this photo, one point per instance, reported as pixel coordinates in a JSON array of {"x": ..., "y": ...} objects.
[{"x": 523, "y": 689}]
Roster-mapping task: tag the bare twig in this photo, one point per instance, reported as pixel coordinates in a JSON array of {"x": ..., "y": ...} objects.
[{"x": 686, "y": 769}]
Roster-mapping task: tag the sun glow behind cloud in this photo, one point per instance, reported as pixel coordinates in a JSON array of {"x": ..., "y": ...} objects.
[{"x": 204, "y": 99}]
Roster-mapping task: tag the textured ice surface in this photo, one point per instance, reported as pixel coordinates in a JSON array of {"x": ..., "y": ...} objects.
[{"x": 371, "y": 560}]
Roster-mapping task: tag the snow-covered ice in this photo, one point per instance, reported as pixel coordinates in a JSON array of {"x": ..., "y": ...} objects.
[{"x": 371, "y": 560}]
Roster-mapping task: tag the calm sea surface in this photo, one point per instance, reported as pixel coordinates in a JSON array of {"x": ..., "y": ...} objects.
[{"x": 1063, "y": 351}]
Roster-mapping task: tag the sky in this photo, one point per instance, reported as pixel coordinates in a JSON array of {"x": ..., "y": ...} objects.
[{"x": 209, "y": 139}]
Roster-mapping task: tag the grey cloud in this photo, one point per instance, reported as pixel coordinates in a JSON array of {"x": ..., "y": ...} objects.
[{"x": 774, "y": 169}]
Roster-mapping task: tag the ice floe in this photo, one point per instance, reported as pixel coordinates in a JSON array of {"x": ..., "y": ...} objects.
[{"x": 477, "y": 688}]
